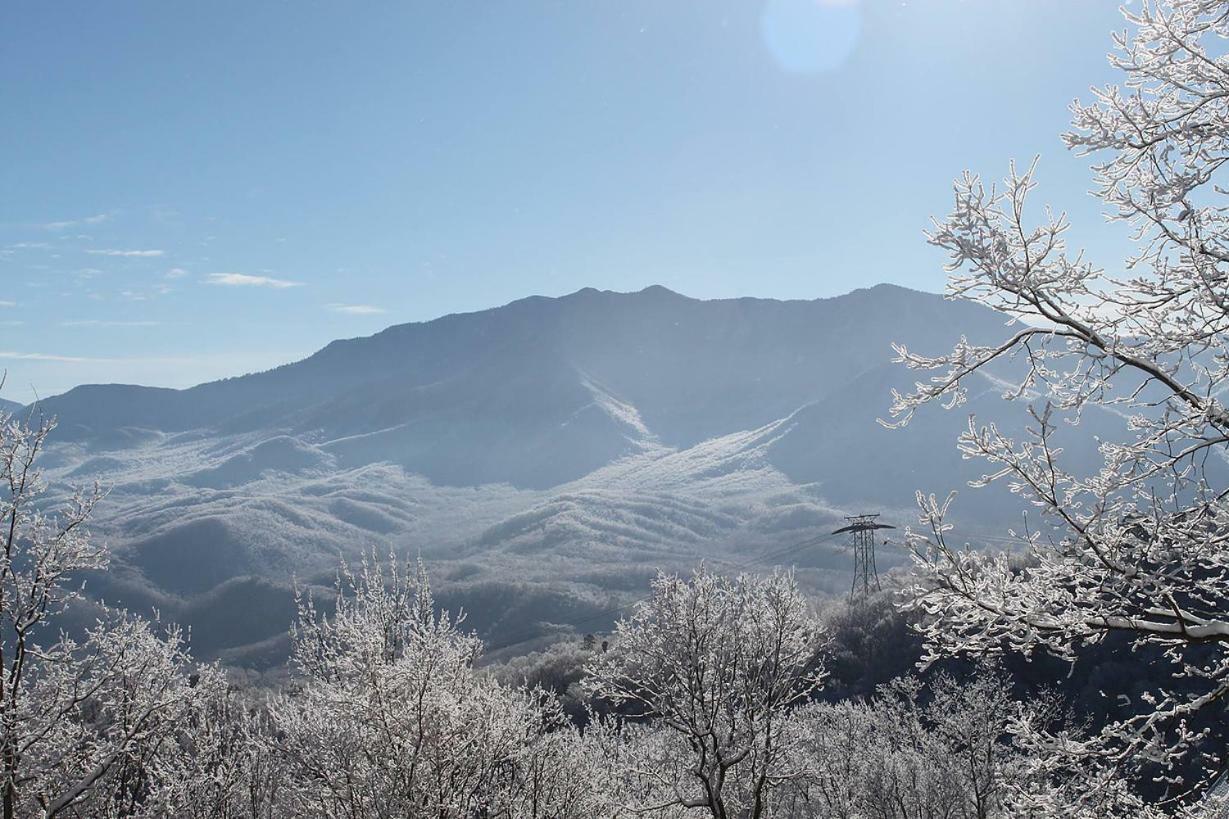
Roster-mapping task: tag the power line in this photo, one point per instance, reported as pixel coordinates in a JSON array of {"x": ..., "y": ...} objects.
[{"x": 773, "y": 556}]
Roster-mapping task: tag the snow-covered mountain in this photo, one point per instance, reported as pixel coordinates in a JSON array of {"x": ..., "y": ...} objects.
[{"x": 543, "y": 457}]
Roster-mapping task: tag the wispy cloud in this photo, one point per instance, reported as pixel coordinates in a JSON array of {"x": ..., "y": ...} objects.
[
  {"x": 220, "y": 365},
  {"x": 28, "y": 246},
  {"x": 96, "y": 219},
  {"x": 356, "y": 309},
  {"x": 176, "y": 273},
  {"x": 126, "y": 253},
  {"x": 6, "y": 303},
  {"x": 65, "y": 359},
  {"x": 13, "y": 355},
  {"x": 244, "y": 280},
  {"x": 108, "y": 323}
]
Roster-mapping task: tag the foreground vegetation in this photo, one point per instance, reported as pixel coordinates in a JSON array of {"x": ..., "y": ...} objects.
[{"x": 717, "y": 696}]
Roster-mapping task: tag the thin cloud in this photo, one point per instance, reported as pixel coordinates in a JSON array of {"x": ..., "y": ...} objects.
[
  {"x": 64, "y": 359},
  {"x": 108, "y": 323},
  {"x": 176, "y": 273},
  {"x": 6, "y": 303},
  {"x": 356, "y": 309},
  {"x": 177, "y": 360},
  {"x": 244, "y": 280},
  {"x": 125, "y": 253},
  {"x": 96, "y": 219}
]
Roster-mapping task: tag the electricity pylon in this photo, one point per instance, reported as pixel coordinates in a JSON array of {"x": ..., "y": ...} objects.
[{"x": 861, "y": 531}]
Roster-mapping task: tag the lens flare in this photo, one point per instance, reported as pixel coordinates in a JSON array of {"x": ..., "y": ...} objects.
[{"x": 811, "y": 36}]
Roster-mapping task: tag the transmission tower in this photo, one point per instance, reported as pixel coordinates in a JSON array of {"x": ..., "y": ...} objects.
[{"x": 861, "y": 529}]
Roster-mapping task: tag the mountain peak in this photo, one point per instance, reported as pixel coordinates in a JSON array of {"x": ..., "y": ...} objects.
[
  {"x": 659, "y": 290},
  {"x": 653, "y": 291},
  {"x": 695, "y": 368}
]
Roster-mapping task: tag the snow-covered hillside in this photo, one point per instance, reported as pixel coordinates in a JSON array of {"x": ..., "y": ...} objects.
[{"x": 544, "y": 456}]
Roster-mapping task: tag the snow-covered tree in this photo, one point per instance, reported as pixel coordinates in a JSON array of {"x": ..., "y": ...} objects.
[
  {"x": 391, "y": 719},
  {"x": 717, "y": 663},
  {"x": 639, "y": 765},
  {"x": 224, "y": 766},
  {"x": 947, "y": 750},
  {"x": 897, "y": 758},
  {"x": 1141, "y": 547},
  {"x": 84, "y": 722}
]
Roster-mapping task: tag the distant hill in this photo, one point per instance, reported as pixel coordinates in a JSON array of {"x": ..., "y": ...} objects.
[
  {"x": 543, "y": 391},
  {"x": 544, "y": 457}
]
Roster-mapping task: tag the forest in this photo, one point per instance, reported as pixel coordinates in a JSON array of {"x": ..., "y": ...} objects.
[{"x": 717, "y": 696}]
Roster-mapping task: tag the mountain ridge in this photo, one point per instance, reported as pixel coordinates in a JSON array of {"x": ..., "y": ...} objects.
[
  {"x": 655, "y": 290},
  {"x": 692, "y": 369},
  {"x": 536, "y": 455}
]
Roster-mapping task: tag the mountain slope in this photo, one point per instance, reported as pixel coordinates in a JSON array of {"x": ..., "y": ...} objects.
[
  {"x": 524, "y": 393},
  {"x": 546, "y": 456}
]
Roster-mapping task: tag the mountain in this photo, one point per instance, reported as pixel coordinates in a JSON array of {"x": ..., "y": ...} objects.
[
  {"x": 9, "y": 406},
  {"x": 542, "y": 391},
  {"x": 544, "y": 457}
]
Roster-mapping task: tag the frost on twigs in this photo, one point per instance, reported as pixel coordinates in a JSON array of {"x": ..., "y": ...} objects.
[
  {"x": 716, "y": 664},
  {"x": 1141, "y": 547},
  {"x": 88, "y": 722},
  {"x": 390, "y": 717}
]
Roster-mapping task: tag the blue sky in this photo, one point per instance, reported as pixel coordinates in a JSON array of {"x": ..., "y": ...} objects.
[{"x": 195, "y": 190}]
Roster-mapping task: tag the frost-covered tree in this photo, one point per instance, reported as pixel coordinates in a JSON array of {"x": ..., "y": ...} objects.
[
  {"x": 640, "y": 766},
  {"x": 86, "y": 722},
  {"x": 716, "y": 663},
  {"x": 390, "y": 718},
  {"x": 947, "y": 750},
  {"x": 224, "y": 766},
  {"x": 1141, "y": 547},
  {"x": 898, "y": 757}
]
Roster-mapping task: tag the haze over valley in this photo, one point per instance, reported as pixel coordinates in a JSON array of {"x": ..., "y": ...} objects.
[{"x": 545, "y": 458}]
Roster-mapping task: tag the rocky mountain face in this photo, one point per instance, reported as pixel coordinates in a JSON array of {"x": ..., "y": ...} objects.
[{"x": 544, "y": 458}]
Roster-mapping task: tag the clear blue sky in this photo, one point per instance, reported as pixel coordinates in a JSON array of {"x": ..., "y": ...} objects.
[{"x": 194, "y": 190}]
